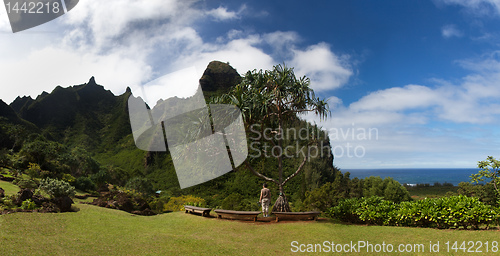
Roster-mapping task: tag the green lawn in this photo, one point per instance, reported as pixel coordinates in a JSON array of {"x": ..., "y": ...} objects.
[
  {"x": 10, "y": 189},
  {"x": 101, "y": 231}
]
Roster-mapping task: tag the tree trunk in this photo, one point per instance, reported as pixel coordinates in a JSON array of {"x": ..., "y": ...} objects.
[{"x": 281, "y": 204}]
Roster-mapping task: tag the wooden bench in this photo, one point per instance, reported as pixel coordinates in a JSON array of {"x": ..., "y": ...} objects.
[
  {"x": 205, "y": 212},
  {"x": 237, "y": 214},
  {"x": 296, "y": 215}
]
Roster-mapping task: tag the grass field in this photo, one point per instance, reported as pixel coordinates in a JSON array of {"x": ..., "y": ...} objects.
[
  {"x": 100, "y": 231},
  {"x": 419, "y": 193},
  {"x": 10, "y": 189}
]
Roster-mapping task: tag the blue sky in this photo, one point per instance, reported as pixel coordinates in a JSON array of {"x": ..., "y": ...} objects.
[{"x": 423, "y": 74}]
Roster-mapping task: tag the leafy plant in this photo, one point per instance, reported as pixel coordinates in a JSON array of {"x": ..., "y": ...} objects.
[
  {"x": 272, "y": 100},
  {"x": 489, "y": 171},
  {"x": 85, "y": 184},
  {"x": 142, "y": 185},
  {"x": 28, "y": 204},
  {"x": 177, "y": 203},
  {"x": 57, "y": 188},
  {"x": 447, "y": 212}
]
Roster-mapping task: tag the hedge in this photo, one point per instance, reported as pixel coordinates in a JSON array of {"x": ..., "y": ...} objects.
[{"x": 447, "y": 212}]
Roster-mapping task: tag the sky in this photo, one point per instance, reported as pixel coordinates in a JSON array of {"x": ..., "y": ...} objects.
[{"x": 410, "y": 84}]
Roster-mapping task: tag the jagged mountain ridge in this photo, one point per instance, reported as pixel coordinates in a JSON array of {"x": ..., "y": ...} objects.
[
  {"x": 90, "y": 117},
  {"x": 74, "y": 115}
]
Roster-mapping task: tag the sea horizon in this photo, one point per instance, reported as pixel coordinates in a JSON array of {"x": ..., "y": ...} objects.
[{"x": 417, "y": 175}]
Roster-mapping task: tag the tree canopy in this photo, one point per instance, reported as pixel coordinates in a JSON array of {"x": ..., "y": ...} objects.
[{"x": 272, "y": 100}]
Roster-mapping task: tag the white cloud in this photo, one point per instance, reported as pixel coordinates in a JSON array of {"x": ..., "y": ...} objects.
[
  {"x": 4, "y": 21},
  {"x": 326, "y": 69},
  {"x": 116, "y": 18},
  {"x": 128, "y": 43},
  {"x": 222, "y": 14},
  {"x": 445, "y": 125},
  {"x": 242, "y": 53},
  {"x": 451, "y": 31},
  {"x": 398, "y": 99},
  {"x": 478, "y": 7},
  {"x": 48, "y": 67}
]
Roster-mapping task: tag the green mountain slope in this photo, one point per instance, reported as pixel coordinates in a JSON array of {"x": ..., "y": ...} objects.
[{"x": 89, "y": 117}]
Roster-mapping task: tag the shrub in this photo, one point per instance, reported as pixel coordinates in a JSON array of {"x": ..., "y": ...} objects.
[
  {"x": 57, "y": 188},
  {"x": 28, "y": 204},
  {"x": 448, "y": 212},
  {"x": 232, "y": 202},
  {"x": 376, "y": 210},
  {"x": 331, "y": 194},
  {"x": 68, "y": 178},
  {"x": 346, "y": 211},
  {"x": 249, "y": 205},
  {"x": 24, "y": 182},
  {"x": 177, "y": 203},
  {"x": 34, "y": 170},
  {"x": 486, "y": 193},
  {"x": 8, "y": 202},
  {"x": 142, "y": 185},
  {"x": 85, "y": 184},
  {"x": 157, "y": 204}
]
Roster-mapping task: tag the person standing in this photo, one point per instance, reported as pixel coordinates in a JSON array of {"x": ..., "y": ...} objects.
[{"x": 265, "y": 199}]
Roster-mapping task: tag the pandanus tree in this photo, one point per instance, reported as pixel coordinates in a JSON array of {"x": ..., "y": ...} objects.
[{"x": 271, "y": 101}]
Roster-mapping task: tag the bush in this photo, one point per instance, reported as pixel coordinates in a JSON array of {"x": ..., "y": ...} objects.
[
  {"x": 331, "y": 194},
  {"x": 142, "y": 185},
  {"x": 238, "y": 203},
  {"x": 157, "y": 204},
  {"x": 68, "y": 178},
  {"x": 8, "y": 202},
  {"x": 346, "y": 211},
  {"x": 448, "y": 212},
  {"x": 376, "y": 210},
  {"x": 24, "y": 182},
  {"x": 232, "y": 202},
  {"x": 34, "y": 170},
  {"x": 177, "y": 203},
  {"x": 57, "y": 188},
  {"x": 486, "y": 193},
  {"x": 85, "y": 184},
  {"x": 28, "y": 204}
]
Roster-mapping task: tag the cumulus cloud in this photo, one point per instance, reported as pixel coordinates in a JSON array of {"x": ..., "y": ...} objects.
[
  {"x": 4, "y": 21},
  {"x": 451, "y": 31},
  {"x": 242, "y": 53},
  {"x": 478, "y": 7},
  {"x": 222, "y": 14},
  {"x": 108, "y": 21},
  {"x": 421, "y": 124},
  {"x": 326, "y": 69},
  {"x": 48, "y": 67},
  {"x": 129, "y": 43}
]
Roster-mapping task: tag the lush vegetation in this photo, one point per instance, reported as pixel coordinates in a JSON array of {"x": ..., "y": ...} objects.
[
  {"x": 100, "y": 231},
  {"x": 81, "y": 134},
  {"x": 270, "y": 101},
  {"x": 446, "y": 212},
  {"x": 79, "y": 137}
]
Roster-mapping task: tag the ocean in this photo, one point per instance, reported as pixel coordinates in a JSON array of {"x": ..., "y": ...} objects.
[{"x": 417, "y": 176}]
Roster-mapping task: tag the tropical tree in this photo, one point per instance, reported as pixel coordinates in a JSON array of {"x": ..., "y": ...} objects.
[
  {"x": 489, "y": 170},
  {"x": 270, "y": 102}
]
